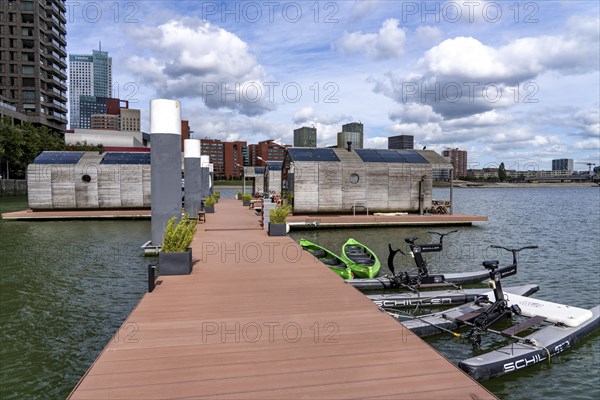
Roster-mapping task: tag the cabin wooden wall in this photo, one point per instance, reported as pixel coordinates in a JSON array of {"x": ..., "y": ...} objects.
[
  {"x": 61, "y": 186},
  {"x": 326, "y": 187}
]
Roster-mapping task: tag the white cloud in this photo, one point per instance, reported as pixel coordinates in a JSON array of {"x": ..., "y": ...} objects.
[
  {"x": 385, "y": 44},
  {"x": 192, "y": 58},
  {"x": 414, "y": 112},
  {"x": 588, "y": 144},
  {"x": 428, "y": 34},
  {"x": 308, "y": 115}
]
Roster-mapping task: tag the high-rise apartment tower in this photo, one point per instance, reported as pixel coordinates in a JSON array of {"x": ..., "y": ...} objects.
[{"x": 33, "y": 62}]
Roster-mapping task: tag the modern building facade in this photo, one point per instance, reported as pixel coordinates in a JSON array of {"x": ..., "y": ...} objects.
[
  {"x": 401, "y": 142},
  {"x": 89, "y": 75},
  {"x": 267, "y": 150},
  {"x": 352, "y": 132},
  {"x": 33, "y": 62},
  {"x": 228, "y": 158},
  {"x": 562, "y": 164},
  {"x": 305, "y": 137},
  {"x": 458, "y": 158}
]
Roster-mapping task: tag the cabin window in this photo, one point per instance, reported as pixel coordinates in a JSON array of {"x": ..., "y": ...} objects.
[{"x": 354, "y": 178}]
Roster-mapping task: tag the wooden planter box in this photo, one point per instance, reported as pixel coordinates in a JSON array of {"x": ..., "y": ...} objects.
[
  {"x": 277, "y": 229},
  {"x": 246, "y": 203},
  {"x": 209, "y": 209},
  {"x": 175, "y": 263}
]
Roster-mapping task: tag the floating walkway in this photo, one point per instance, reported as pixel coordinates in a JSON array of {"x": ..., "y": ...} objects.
[
  {"x": 351, "y": 221},
  {"x": 260, "y": 318},
  {"x": 30, "y": 215}
]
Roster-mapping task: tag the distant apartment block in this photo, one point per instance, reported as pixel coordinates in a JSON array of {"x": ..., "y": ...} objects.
[
  {"x": 33, "y": 62},
  {"x": 352, "y": 132},
  {"x": 267, "y": 150},
  {"x": 458, "y": 159},
  {"x": 228, "y": 158},
  {"x": 90, "y": 75},
  {"x": 305, "y": 137},
  {"x": 562, "y": 164},
  {"x": 401, "y": 142},
  {"x": 130, "y": 119}
]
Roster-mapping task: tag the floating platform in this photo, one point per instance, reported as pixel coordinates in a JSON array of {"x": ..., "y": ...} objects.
[
  {"x": 350, "y": 221},
  {"x": 261, "y": 318},
  {"x": 62, "y": 215}
]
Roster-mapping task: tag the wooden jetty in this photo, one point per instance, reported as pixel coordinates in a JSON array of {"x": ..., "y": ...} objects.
[
  {"x": 260, "y": 318},
  {"x": 37, "y": 215},
  {"x": 312, "y": 221}
]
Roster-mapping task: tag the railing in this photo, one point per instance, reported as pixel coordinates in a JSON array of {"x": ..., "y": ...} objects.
[{"x": 360, "y": 203}]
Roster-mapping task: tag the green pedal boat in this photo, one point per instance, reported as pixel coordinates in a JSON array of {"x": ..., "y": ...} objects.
[
  {"x": 360, "y": 259},
  {"x": 327, "y": 257}
]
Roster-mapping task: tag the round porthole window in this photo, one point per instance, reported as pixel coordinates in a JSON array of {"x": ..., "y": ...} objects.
[
  {"x": 354, "y": 178},
  {"x": 86, "y": 178}
]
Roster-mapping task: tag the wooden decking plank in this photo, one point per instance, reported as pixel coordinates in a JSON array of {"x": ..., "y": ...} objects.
[{"x": 172, "y": 356}]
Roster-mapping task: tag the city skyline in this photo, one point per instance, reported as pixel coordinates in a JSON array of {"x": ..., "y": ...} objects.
[{"x": 433, "y": 73}]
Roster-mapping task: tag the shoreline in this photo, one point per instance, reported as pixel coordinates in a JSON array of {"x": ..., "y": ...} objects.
[{"x": 501, "y": 185}]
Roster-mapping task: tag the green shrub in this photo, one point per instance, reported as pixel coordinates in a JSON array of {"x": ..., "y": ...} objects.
[
  {"x": 217, "y": 195},
  {"x": 179, "y": 236},
  {"x": 210, "y": 201},
  {"x": 279, "y": 214},
  {"x": 247, "y": 197},
  {"x": 239, "y": 195}
]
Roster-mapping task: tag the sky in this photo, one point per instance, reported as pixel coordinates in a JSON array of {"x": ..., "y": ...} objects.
[{"x": 513, "y": 82}]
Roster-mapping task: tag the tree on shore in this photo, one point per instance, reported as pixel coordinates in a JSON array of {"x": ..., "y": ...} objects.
[
  {"x": 21, "y": 144},
  {"x": 502, "y": 172}
]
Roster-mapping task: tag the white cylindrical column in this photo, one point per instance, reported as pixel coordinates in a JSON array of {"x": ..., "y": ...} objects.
[{"x": 165, "y": 128}]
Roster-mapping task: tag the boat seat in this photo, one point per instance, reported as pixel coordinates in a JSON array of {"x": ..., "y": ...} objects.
[
  {"x": 552, "y": 312},
  {"x": 491, "y": 264},
  {"x": 317, "y": 253},
  {"x": 330, "y": 261},
  {"x": 520, "y": 327}
]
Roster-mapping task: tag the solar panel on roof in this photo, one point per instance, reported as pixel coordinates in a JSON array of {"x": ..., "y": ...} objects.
[
  {"x": 412, "y": 156},
  {"x": 259, "y": 170},
  {"x": 301, "y": 154},
  {"x": 125, "y": 158},
  {"x": 325, "y": 155},
  {"x": 59, "y": 157},
  {"x": 369, "y": 155},
  {"x": 390, "y": 156}
]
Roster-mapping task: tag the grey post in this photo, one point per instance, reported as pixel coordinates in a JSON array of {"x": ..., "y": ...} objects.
[
  {"x": 193, "y": 177},
  {"x": 165, "y": 128}
]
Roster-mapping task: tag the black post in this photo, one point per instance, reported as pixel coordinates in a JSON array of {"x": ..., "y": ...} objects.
[{"x": 151, "y": 277}]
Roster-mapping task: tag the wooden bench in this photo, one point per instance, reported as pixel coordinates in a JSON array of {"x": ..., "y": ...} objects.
[{"x": 202, "y": 216}]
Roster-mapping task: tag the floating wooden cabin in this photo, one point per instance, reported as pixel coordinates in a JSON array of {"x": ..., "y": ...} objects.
[
  {"x": 80, "y": 180},
  {"x": 317, "y": 180},
  {"x": 272, "y": 176}
]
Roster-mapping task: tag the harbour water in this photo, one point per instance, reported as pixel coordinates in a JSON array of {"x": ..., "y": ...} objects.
[{"x": 65, "y": 287}]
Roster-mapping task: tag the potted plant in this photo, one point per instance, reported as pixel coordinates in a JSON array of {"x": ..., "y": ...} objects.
[
  {"x": 175, "y": 256},
  {"x": 277, "y": 220},
  {"x": 217, "y": 196},
  {"x": 246, "y": 198},
  {"x": 239, "y": 196},
  {"x": 209, "y": 205}
]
